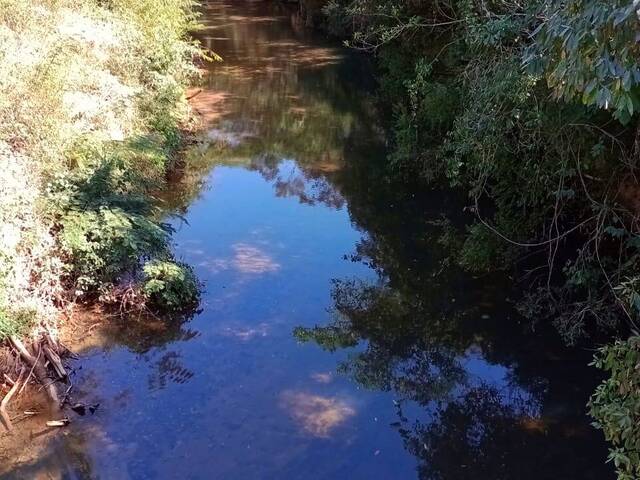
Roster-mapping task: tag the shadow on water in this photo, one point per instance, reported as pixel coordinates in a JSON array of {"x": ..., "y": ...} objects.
[
  {"x": 477, "y": 393},
  {"x": 400, "y": 365}
]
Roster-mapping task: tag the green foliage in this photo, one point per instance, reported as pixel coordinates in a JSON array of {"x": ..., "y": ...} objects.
[
  {"x": 170, "y": 286},
  {"x": 97, "y": 202},
  {"x": 468, "y": 113},
  {"x": 588, "y": 50},
  {"x": 107, "y": 221},
  {"x": 105, "y": 242},
  {"x": 167, "y": 53},
  {"x": 616, "y": 405},
  {"x": 15, "y": 322},
  {"x": 164, "y": 42},
  {"x": 482, "y": 250}
]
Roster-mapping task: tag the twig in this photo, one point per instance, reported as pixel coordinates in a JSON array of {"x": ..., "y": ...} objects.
[
  {"x": 30, "y": 372},
  {"x": 194, "y": 95},
  {"x": 538, "y": 244},
  {"x": 7, "y": 399},
  {"x": 7, "y": 379}
]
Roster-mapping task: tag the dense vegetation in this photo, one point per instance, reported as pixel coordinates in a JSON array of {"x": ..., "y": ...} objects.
[
  {"x": 91, "y": 107},
  {"x": 531, "y": 109}
]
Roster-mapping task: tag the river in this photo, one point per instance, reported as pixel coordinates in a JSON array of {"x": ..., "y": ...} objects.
[{"x": 334, "y": 340}]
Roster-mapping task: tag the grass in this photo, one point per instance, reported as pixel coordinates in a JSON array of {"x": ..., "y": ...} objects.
[{"x": 91, "y": 106}]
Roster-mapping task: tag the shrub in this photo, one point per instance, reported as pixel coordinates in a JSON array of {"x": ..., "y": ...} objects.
[
  {"x": 91, "y": 105},
  {"x": 105, "y": 216},
  {"x": 170, "y": 285},
  {"x": 16, "y": 323},
  {"x": 616, "y": 405},
  {"x": 588, "y": 51}
]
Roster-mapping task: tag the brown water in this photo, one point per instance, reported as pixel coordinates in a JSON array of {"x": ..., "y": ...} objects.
[{"x": 334, "y": 341}]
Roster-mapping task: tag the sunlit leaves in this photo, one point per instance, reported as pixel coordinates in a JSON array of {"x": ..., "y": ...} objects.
[{"x": 170, "y": 285}]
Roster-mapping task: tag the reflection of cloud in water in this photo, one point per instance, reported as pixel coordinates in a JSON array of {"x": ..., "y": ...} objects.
[
  {"x": 322, "y": 377},
  {"x": 250, "y": 259},
  {"x": 215, "y": 265},
  {"x": 246, "y": 333},
  {"x": 246, "y": 258},
  {"x": 315, "y": 414},
  {"x": 194, "y": 252}
]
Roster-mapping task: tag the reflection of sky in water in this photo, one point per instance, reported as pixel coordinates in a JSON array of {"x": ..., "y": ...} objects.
[
  {"x": 315, "y": 414},
  {"x": 243, "y": 399}
]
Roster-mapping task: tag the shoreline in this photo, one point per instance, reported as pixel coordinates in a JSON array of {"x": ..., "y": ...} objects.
[{"x": 93, "y": 236}]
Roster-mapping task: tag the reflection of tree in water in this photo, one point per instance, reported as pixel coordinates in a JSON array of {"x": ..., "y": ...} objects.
[
  {"x": 142, "y": 334},
  {"x": 480, "y": 435},
  {"x": 279, "y": 98},
  {"x": 398, "y": 356},
  {"x": 148, "y": 337},
  {"x": 526, "y": 425},
  {"x": 168, "y": 369},
  {"x": 310, "y": 186},
  {"x": 479, "y": 394}
]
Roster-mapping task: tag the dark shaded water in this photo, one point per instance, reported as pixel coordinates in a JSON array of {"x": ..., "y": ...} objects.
[{"x": 413, "y": 369}]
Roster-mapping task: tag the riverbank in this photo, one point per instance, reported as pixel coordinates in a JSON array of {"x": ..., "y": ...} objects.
[{"x": 92, "y": 107}]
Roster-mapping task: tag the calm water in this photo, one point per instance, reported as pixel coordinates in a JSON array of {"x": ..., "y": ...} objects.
[{"x": 334, "y": 341}]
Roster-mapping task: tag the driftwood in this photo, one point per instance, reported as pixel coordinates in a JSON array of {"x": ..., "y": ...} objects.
[
  {"x": 54, "y": 358},
  {"x": 39, "y": 369},
  {"x": 7, "y": 398},
  {"x": 195, "y": 94},
  {"x": 38, "y": 365},
  {"x": 58, "y": 423}
]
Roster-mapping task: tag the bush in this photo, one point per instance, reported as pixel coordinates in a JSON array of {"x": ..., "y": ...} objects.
[
  {"x": 16, "y": 323},
  {"x": 170, "y": 286},
  {"x": 107, "y": 221},
  {"x": 91, "y": 106},
  {"x": 616, "y": 405}
]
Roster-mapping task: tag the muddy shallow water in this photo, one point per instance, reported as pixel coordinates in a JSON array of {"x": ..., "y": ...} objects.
[{"x": 415, "y": 370}]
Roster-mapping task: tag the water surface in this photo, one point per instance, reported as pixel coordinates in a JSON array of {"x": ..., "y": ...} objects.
[{"x": 334, "y": 340}]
